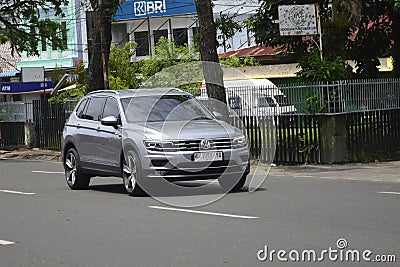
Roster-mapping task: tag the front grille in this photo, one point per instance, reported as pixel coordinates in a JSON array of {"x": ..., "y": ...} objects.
[
  {"x": 191, "y": 145},
  {"x": 194, "y": 145}
]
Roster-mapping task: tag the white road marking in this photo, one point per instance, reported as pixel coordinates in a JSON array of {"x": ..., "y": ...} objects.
[
  {"x": 16, "y": 192},
  {"x": 47, "y": 172},
  {"x": 298, "y": 176},
  {"x": 392, "y": 193},
  {"x": 202, "y": 181},
  {"x": 5, "y": 242},
  {"x": 204, "y": 212}
]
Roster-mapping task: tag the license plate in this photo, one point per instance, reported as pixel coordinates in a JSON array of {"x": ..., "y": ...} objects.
[{"x": 208, "y": 156}]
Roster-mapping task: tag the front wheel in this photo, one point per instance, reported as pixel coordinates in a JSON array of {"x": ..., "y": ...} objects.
[
  {"x": 227, "y": 183},
  {"x": 73, "y": 173},
  {"x": 131, "y": 172}
]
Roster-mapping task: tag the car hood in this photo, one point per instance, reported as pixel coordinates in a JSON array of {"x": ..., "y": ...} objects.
[{"x": 194, "y": 129}]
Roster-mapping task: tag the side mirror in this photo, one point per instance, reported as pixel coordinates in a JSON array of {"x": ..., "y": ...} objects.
[
  {"x": 217, "y": 115},
  {"x": 110, "y": 121}
]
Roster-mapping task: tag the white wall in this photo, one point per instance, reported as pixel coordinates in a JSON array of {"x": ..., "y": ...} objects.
[{"x": 162, "y": 23}]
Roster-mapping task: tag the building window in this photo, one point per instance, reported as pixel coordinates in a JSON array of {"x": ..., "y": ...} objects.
[
  {"x": 142, "y": 40},
  {"x": 17, "y": 98},
  {"x": 64, "y": 34},
  {"x": 180, "y": 36},
  {"x": 158, "y": 34}
]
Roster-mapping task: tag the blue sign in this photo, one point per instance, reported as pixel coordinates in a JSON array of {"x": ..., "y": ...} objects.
[
  {"x": 26, "y": 88},
  {"x": 139, "y": 9}
]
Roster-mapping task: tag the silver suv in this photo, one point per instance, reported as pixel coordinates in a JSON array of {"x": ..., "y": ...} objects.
[{"x": 149, "y": 135}]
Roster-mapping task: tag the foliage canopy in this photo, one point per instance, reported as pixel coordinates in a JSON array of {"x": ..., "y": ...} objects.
[
  {"x": 24, "y": 26},
  {"x": 352, "y": 29}
]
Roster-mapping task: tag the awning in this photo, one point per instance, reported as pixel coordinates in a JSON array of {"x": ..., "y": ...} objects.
[
  {"x": 12, "y": 88},
  {"x": 72, "y": 86}
]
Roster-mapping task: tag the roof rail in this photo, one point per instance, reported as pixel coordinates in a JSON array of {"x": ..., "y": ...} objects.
[{"x": 103, "y": 91}]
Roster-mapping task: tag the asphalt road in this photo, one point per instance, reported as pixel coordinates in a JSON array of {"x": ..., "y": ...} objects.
[{"x": 42, "y": 222}]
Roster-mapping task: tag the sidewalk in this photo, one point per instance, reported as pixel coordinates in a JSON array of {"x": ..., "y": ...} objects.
[
  {"x": 385, "y": 171},
  {"x": 379, "y": 172},
  {"x": 31, "y": 154}
]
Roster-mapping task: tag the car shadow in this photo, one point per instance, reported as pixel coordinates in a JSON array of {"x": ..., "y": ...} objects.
[
  {"x": 214, "y": 190},
  {"x": 108, "y": 188}
]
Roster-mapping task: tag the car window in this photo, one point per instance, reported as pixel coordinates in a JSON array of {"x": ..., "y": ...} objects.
[
  {"x": 266, "y": 102},
  {"x": 81, "y": 108},
  {"x": 111, "y": 108},
  {"x": 94, "y": 109},
  {"x": 161, "y": 108}
]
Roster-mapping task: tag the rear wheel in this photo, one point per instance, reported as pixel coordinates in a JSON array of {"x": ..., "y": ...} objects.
[
  {"x": 131, "y": 172},
  {"x": 73, "y": 173}
]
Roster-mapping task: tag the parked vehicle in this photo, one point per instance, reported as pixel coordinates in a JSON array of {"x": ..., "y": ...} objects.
[
  {"x": 254, "y": 97},
  {"x": 151, "y": 134}
]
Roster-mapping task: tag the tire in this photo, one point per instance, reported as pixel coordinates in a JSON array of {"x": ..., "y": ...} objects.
[
  {"x": 227, "y": 183},
  {"x": 131, "y": 172},
  {"x": 76, "y": 180}
]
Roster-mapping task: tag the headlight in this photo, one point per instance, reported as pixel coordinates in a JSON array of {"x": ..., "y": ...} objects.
[
  {"x": 156, "y": 145},
  {"x": 239, "y": 141}
]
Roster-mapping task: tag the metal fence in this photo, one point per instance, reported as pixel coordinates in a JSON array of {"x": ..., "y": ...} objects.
[
  {"x": 316, "y": 98},
  {"x": 12, "y": 134},
  {"x": 373, "y": 135},
  {"x": 16, "y": 112},
  {"x": 24, "y": 112},
  {"x": 344, "y": 96},
  {"x": 371, "y": 108}
]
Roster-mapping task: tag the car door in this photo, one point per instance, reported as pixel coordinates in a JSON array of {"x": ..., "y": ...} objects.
[
  {"x": 88, "y": 133},
  {"x": 109, "y": 143}
]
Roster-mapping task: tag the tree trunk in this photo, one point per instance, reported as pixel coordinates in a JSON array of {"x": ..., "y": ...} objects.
[
  {"x": 97, "y": 78},
  {"x": 213, "y": 74},
  {"x": 395, "y": 16}
]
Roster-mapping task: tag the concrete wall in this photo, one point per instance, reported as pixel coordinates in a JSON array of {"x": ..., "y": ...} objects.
[{"x": 334, "y": 138}]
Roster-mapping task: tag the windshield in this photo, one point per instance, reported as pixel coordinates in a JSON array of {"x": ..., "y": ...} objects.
[
  {"x": 235, "y": 102},
  {"x": 282, "y": 100},
  {"x": 164, "y": 108}
]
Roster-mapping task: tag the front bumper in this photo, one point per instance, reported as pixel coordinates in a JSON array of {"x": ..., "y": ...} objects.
[{"x": 181, "y": 166}]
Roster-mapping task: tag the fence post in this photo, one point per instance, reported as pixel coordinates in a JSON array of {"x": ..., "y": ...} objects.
[
  {"x": 333, "y": 138},
  {"x": 30, "y": 134}
]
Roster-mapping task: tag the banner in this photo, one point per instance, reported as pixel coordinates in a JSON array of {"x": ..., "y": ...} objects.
[{"x": 139, "y": 9}]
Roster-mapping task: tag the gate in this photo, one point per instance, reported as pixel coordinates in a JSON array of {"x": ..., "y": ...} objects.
[{"x": 49, "y": 122}]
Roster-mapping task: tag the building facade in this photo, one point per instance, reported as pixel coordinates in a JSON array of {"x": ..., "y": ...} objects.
[
  {"x": 145, "y": 21},
  {"x": 74, "y": 35}
]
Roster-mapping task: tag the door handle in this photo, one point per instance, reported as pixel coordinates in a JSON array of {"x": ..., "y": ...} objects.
[{"x": 98, "y": 129}]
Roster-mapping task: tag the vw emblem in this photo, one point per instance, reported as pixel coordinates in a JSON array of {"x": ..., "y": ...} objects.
[{"x": 205, "y": 144}]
